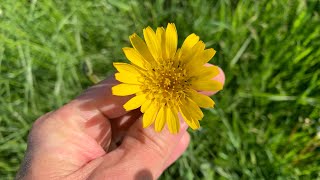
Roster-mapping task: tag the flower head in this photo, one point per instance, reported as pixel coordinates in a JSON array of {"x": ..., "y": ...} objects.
[{"x": 165, "y": 80}]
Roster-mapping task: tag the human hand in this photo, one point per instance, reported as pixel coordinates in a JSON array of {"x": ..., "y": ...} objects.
[{"x": 93, "y": 137}]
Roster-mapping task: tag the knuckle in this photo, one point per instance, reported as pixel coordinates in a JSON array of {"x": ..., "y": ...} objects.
[
  {"x": 38, "y": 123},
  {"x": 37, "y": 129}
]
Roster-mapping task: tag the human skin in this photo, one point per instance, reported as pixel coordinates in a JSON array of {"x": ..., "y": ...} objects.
[{"x": 93, "y": 137}]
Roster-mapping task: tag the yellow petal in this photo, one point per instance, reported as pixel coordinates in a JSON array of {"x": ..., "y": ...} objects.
[
  {"x": 171, "y": 40},
  {"x": 187, "y": 118},
  {"x": 141, "y": 47},
  {"x": 200, "y": 99},
  {"x": 201, "y": 57},
  {"x": 203, "y": 73},
  {"x": 161, "y": 36},
  {"x": 128, "y": 78},
  {"x": 161, "y": 119},
  {"x": 173, "y": 120},
  {"x": 207, "y": 85},
  {"x": 150, "y": 115},
  {"x": 193, "y": 108},
  {"x": 146, "y": 105},
  {"x": 134, "y": 56},
  {"x": 135, "y": 102},
  {"x": 125, "y": 89},
  {"x": 152, "y": 42},
  {"x": 177, "y": 55},
  {"x": 190, "y": 41},
  {"x": 195, "y": 123},
  {"x": 126, "y": 68},
  {"x": 207, "y": 55},
  {"x": 194, "y": 53}
]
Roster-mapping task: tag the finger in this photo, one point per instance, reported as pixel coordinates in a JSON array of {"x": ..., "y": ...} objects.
[
  {"x": 121, "y": 125},
  {"x": 178, "y": 151},
  {"x": 148, "y": 149},
  {"x": 91, "y": 111},
  {"x": 100, "y": 97},
  {"x": 143, "y": 154},
  {"x": 220, "y": 77}
]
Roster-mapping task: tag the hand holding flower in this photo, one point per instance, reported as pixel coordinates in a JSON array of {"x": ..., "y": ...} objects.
[{"x": 94, "y": 137}]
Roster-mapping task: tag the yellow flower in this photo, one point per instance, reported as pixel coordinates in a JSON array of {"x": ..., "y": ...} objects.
[{"x": 166, "y": 81}]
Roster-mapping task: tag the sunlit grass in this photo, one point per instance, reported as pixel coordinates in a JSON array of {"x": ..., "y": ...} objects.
[{"x": 266, "y": 121}]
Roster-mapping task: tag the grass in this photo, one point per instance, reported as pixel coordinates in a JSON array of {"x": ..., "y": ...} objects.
[{"x": 266, "y": 124}]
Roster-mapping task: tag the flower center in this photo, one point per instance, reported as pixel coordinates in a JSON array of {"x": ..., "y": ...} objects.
[{"x": 167, "y": 82}]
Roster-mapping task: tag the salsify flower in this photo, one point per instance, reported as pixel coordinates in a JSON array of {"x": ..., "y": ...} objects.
[{"x": 167, "y": 82}]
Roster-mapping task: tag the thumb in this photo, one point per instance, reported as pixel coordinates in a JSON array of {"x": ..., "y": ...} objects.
[
  {"x": 152, "y": 150},
  {"x": 144, "y": 153}
]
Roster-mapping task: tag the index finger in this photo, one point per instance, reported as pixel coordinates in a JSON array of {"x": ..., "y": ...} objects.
[{"x": 99, "y": 97}]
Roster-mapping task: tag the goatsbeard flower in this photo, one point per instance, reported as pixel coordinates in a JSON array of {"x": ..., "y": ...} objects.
[{"x": 167, "y": 82}]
